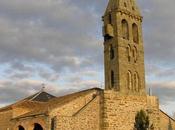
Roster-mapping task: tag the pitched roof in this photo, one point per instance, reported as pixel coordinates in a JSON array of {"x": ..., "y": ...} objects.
[
  {"x": 39, "y": 97},
  {"x": 64, "y": 99},
  {"x": 118, "y": 4},
  {"x": 56, "y": 102},
  {"x": 167, "y": 115}
]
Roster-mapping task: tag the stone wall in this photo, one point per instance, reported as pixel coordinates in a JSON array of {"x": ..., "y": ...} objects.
[
  {"x": 17, "y": 111},
  {"x": 5, "y": 120},
  {"x": 94, "y": 110},
  {"x": 82, "y": 113},
  {"x": 25, "y": 107},
  {"x": 28, "y": 123},
  {"x": 119, "y": 111},
  {"x": 166, "y": 122},
  {"x": 125, "y": 71},
  {"x": 152, "y": 109},
  {"x": 79, "y": 112}
]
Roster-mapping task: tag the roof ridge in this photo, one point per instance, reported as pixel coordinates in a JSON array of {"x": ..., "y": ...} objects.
[
  {"x": 74, "y": 93},
  {"x": 37, "y": 94},
  {"x": 59, "y": 102},
  {"x": 32, "y": 97},
  {"x": 167, "y": 115},
  {"x": 67, "y": 97}
]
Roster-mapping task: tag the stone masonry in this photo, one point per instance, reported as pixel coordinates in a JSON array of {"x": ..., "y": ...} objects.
[
  {"x": 122, "y": 109},
  {"x": 123, "y": 48},
  {"x": 113, "y": 108}
]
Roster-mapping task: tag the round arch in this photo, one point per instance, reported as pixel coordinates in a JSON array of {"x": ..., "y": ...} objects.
[
  {"x": 20, "y": 127},
  {"x": 129, "y": 54},
  {"x": 136, "y": 81},
  {"x": 135, "y": 33},
  {"x": 129, "y": 80},
  {"x": 125, "y": 29},
  {"x": 135, "y": 54},
  {"x": 37, "y": 127}
]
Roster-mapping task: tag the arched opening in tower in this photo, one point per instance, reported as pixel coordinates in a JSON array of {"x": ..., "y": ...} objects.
[
  {"x": 125, "y": 29},
  {"x": 135, "y": 33}
]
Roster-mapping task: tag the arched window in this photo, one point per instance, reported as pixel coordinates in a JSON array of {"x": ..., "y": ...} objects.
[
  {"x": 129, "y": 80},
  {"x": 136, "y": 81},
  {"x": 129, "y": 53},
  {"x": 112, "y": 52},
  {"x": 37, "y": 127},
  {"x": 21, "y": 128},
  {"x": 135, "y": 54},
  {"x": 125, "y": 29},
  {"x": 135, "y": 33},
  {"x": 112, "y": 79}
]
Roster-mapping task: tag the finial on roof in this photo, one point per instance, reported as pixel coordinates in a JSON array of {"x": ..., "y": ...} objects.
[
  {"x": 150, "y": 92},
  {"x": 43, "y": 87}
]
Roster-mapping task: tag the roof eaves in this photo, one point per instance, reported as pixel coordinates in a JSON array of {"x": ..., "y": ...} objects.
[{"x": 167, "y": 115}]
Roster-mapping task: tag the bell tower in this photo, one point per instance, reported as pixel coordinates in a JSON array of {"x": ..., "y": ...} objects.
[{"x": 123, "y": 48}]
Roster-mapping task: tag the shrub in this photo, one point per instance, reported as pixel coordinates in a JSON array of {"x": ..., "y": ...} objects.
[{"x": 141, "y": 121}]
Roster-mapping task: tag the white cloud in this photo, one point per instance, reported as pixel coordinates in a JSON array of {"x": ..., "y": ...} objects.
[{"x": 59, "y": 42}]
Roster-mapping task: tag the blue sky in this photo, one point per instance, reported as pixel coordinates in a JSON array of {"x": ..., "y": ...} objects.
[{"x": 59, "y": 43}]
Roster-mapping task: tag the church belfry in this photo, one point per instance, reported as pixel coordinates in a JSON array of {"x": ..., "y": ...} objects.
[{"x": 123, "y": 48}]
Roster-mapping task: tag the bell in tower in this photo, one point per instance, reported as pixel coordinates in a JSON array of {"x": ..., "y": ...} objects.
[{"x": 123, "y": 48}]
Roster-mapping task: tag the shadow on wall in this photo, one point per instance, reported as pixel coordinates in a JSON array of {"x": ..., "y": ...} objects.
[{"x": 170, "y": 125}]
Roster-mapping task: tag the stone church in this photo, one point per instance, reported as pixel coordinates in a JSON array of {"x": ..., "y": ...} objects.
[{"x": 113, "y": 108}]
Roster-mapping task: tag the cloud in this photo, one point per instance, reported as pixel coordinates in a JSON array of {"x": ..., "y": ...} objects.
[
  {"x": 165, "y": 91},
  {"x": 159, "y": 30},
  {"x": 46, "y": 37},
  {"x": 59, "y": 42},
  {"x": 12, "y": 91}
]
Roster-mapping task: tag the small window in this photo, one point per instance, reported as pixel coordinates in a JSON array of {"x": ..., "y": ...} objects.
[
  {"x": 112, "y": 52},
  {"x": 136, "y": 81},
  {"x": 112, "y": 79},
  {"x": 21, "y": 128},
  {"x": 129, "y": 54},
  {"x": 125, "y": 29},
  {"x": 110, "y": 18},
  {"x": 53, "y": 123},
  {"x": 135, "y": 33},
  {"x": 129, "y": 80},
  {"x": 135, "y": 54}
]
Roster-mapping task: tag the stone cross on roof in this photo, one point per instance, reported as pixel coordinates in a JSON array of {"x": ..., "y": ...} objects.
[{"x": 43, "y": 87}]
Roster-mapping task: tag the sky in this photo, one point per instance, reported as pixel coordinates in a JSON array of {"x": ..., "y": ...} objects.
[{"x": 59, "y": 43}]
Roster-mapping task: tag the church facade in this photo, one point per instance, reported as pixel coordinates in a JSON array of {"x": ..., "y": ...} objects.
[{"x": 113, "y": 108}]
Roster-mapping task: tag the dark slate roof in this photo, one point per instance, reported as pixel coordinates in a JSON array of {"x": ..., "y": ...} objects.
[{"x": 40, "y": 97}]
